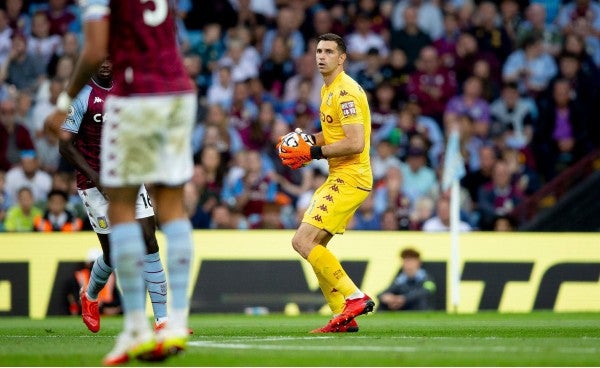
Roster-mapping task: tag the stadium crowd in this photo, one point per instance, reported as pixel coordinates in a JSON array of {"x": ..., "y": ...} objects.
[{"x": 519, "y": 79}]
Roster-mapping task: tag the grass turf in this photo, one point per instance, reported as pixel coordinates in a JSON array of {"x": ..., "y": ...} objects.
[{"x": 392, "y": 339}]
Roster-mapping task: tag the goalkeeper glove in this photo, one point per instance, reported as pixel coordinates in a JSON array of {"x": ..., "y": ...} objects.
[{"x": 296, "y": 157}]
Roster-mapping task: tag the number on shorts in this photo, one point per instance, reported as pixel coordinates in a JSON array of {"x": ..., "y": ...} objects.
[{"x": 146, "y": 200}]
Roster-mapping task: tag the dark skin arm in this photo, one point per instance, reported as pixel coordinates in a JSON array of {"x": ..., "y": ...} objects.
[{"x": 95, "y": 50}]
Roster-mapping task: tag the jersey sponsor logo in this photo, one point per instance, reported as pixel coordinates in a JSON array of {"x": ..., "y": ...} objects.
[
  {"x": 348, "y": 108},
  {"x": 98, "y": 100},
  {"x": 99, "y": 118}
]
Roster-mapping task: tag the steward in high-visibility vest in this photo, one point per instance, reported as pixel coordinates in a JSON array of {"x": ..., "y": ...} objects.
[{"x": 57, "y": 217}]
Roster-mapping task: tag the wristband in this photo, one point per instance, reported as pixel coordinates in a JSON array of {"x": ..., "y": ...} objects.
[
  {"x": 316, "y": 152},
  {"x": 63, "y": 102}
]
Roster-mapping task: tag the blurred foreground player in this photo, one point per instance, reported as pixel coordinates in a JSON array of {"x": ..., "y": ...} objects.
[{"x": 150, "y": 113}]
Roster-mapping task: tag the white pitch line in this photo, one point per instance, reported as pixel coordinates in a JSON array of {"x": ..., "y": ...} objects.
[{"x": 403, "y": 349}]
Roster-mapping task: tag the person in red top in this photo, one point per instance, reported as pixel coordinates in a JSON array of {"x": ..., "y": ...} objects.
[
  {"x": 14, "y": 137},
  {"x": 432, "y": 85},
  {"x": 150, "y": 114}
]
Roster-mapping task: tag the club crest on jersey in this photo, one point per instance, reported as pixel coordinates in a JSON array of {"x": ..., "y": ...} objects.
[
  {"x": 102, "y": 222},
  {"x": 329, "y": 98},
  {"x": 348, "y": 108},
  {"x": 98, "y": 100}
]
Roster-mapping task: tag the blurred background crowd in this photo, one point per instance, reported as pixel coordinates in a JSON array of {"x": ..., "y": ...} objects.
[{"x": 520, "y": 80}]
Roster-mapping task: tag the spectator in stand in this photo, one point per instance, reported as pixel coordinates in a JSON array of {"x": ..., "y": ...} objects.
[
  {"x": 419, "y": 179},
  {"x": 256, "y": 135},
  {"x": 429, "y": 16},
  {"x": 209, "y": 47},
  {"x": 422, "y": 211},
  {"x": 29, "y": 174},
  {"x": 360, "y": 41},
  {"x": 5, "y": 36},
  {"x": 384, "y": 159},
  {"x": 474, "y": 180},
  {"x": 220, "y": 90},
  {"x": 582, "y": 18},
  {"x": 513, "y": 118},
  {"x": 14, "y": 137},
  {"x": 277, "y": 68},
  {"x": 446, "y": 44},
  {"x": 223, "y": 217},
  {"x": 498, "y": 197},
  {"x": 365, "y": 217},
  {"x": 410, "y": 38},
  {"x": 389, "y": 194},
  {"x": 4, "y": 199},
  {"x": 61, "y": 17},
  {"x": 287, "y": 24},
  {"x": 389, "y": 220},
  {"x": 301, "y": 105},
  {"x": 250, "y": 193},
  {"x": 70, "y": 47},
  {"x": 397, "y": 73},
  {"x": 441, "y": 220},
  {"x": 575, "y": 44},
  {"x": 511, "y": 18},
  {"x": 18, "y": 19},
  {"x": 530, "y": 66},
  {"x": 561, "y": 137},
  {"x": 202, "y": 191},
  {"x": 490, "y": 85},
  {"x": 21, "y": 68},
  {"x": 306, "y": 69},
  {"x": 242, "y": 68},
  {"x": 42, "y": 44},
  {"x": 243, "y": 109},
  {"x": 57, "y": 217},
  {"x": 489, "y": 34},
  {"x": 505, "y": 223},
  {"x": 19, "y": 217},
  {"x": 431, "y": 86},
  {"x": 413, "y": 289},
  {"x": 372, "y": 74},
  {"x": 249, "y": 15},
  {"x": 468, "y": 53},
  {"x": 217, "y": 131},
  {"x": 470, "y": 103},
  {"x": 525, "y": 179},
  {"x": 536, "y": 24},
  {"x": 383, "y": 112},
  {"x": 585, "y": 86}
]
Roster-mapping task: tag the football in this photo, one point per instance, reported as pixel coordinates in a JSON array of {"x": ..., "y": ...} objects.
[{"x": 291, "y": 140}]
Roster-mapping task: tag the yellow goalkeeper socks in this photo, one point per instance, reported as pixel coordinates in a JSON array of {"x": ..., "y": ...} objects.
[
  {"x": 325, "y": 263},
  {"x": 334, "y": 298}
]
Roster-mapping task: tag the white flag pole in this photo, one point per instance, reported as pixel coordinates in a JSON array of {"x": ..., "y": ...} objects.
[{"x": 454, "y": 243}]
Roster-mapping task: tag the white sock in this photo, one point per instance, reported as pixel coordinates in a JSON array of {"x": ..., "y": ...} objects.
[{"x": 355, "y": 295}]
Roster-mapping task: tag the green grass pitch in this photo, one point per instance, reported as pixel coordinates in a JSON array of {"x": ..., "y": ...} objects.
[{"x": 392, "y": 339}]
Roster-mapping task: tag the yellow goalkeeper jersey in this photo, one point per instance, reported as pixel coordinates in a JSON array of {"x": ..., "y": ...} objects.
[{"x": 345, "y": 102}]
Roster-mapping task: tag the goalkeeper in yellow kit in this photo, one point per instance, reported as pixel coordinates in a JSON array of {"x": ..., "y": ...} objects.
[{"x": 344, "y": 142}]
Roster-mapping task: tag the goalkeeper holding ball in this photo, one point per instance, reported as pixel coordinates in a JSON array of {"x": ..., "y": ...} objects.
[{"x": 344, "y": 142}]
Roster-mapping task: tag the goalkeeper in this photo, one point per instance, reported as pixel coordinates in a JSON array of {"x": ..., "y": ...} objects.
[{"x": 344, "y": 142}]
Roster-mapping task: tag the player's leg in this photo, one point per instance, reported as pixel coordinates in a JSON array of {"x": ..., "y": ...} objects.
[
  {"x": 127, "y": 254},
  {"x": 154, "y": 273},
  {"x": 97, "y": 210},
  {"x": 331, "y": 209}
]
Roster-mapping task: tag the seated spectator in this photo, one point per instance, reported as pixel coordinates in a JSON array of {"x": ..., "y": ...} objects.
[
  {"x": 14, "y": 137},
  {"x": 410, "y": 37},
  {"x": 474, "y": 180},
  {"x": 42, "y": 44},
  {"x": 277, "y": 68},
  {"x": 216, "y": 131},
  {"x": 582, "y": 18},
  {"x": 413, "y": 289},
  {"x": 365, "y": 217},
  {"x": 225, "y": 218},
  {"x": 20, "y": 216},
  {"x": 498, "y": 197},
  {"x": 429, "y": 16},
  {"x": 57, "y": 217},
  {"x": 422, "y": 211},
  {"x": 512, "y": 117},
  {"x": 389, "y": 193},
  {"x": 29, "y": 174},
  {"x": 383, "y": 159},
  {"x": 536, "y": 24},
  {"x": 360, "y": 41},
  {"x": 383, "y": 111},
  {"x": 419, "y": 179},
  {"x": 530, "y": 67},
  {"x": 21, "y": 68},
  {"x": 431, "y": 85},
  {"x": 561, "y": 137},
  {"x": 441, "y": 220},
  {"x": 4, "y": 200},
  {"x": 306, "y": 69},
  {"x": 505, "y": 223},
  {"x": 470, "y": 103}
]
